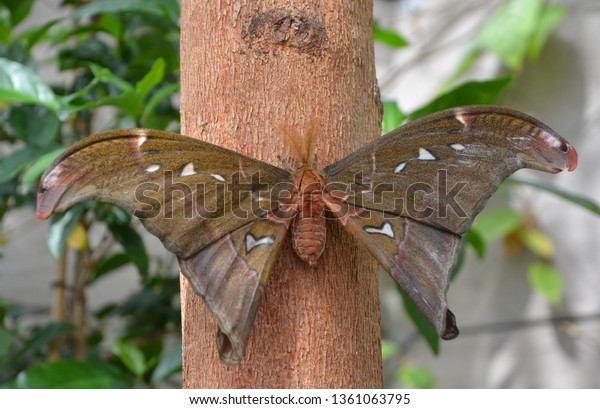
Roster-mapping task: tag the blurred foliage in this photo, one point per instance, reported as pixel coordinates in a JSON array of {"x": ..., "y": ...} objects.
[
  {"x": 388, "y": 37},
  {"x": 515, "y": 33},
  {"x": 115, "y": 64}
]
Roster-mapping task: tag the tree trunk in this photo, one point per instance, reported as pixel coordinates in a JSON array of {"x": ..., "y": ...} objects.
[{"x": 247, "y": 67}]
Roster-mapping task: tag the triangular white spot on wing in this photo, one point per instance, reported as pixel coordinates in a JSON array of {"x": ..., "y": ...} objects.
[
  {"x": 400, "y": 167},
  {"x": 141, "y": 141},
  {"x": 424, "y": 154},
  {"x": 188, "y": 170},
  {"x": 457, "y": 147},
  {"x": 461, "y": 118}
]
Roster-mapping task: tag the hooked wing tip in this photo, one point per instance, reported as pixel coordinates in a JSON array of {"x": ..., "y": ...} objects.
[
  {"x": 451, "y": 330},
  {"x": 229, "y": 351},
  {"x": 572, "y": 158},
  {"x": 42, "y": 215},
  {"x": 42, "y": 212}
]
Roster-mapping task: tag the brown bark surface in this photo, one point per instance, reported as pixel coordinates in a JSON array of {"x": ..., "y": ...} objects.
[{"x": 247, "y": 67}]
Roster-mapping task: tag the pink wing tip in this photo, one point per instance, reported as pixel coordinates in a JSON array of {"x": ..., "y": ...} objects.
[
  {"x": 42, "y": 211},
  {"x": 572, "y": 158},
  {"x": 41, "y": 216}
]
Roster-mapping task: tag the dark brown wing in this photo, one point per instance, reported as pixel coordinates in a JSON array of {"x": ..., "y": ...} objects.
[
  {"x": 442, "y": 169},
  {"x": 419, "y": 258},
  {"x": 186, "y": 192},
  {"x": 431, "y": 178},
  {"x": 231, "y": 274}
]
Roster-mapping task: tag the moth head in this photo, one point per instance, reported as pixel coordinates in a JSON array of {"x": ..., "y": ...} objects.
[
  {"x": 301, "y": 145},
  {"x": 547, "y": 151}
]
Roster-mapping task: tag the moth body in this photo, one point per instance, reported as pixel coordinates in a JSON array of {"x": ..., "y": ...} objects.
[{"x": 309, "y": 231}]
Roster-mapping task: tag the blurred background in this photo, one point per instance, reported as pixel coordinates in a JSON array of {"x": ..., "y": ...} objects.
[{"x": 91, "y": 293}]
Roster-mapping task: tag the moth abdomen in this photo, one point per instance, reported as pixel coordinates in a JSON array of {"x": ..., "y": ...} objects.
[
  {"x": 309, "y": 236},
  {"x": 309, "y": 231}
]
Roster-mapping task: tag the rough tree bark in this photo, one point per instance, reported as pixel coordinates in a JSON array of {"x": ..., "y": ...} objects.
[{"x": 245, "y": 68}]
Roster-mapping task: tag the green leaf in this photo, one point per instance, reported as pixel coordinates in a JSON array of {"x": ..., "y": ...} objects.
[
  {"x": 416, "y": 377},
  {"x": 518, "y": 29},
  {"x": 424, "y": 327},
  {"x": 547, "y": 280},
  {"x": 582, "y": 201},
  {"x": 105, "y": 75},
  {"x": 388, "y": 37},
  {"x": 34, "y": 124},
  {"x": 133, "y": 245},
  {"x": 392, "y": 116},
  {"x": 473, "y": 238},
  {"x": 19, "y": 84},
  {"x": 119, "y": 215},
  {"x": 493, "y": 225},
  {"x": 110, "y": 23},
  {"x": 509, "y": 32},
  {"x": 7, "y": 341},
  {"x": 35, "y": 35},
  {"x": 460, "y": 259},
  {"x": 19, "y": 9},
  {"x": 170, "y": 363},
  {"x": 41, "y": 336},
  {"x": 5, "y": 24},
  {"x": 156, "y": 98},
  {"x": 67, "y": 374},
  {"x": 14, "y": 163},
  {"x": 388, "y": 349},
  {"x": 39, "y": 166},
  {"x": 111, "y": 263},
  {"x": 162, "y": 8},
  {"x": 61, "y": 226},
  {"x": 552, "y": 15},
  {"x": 536, "y": 241},
  {"x": 152, "y": 78},
  {"x": 12, "y": 12},
  {"x": 85, "y": 49},
  {"x": 131, "y": 356},
  {"x": 129, "y": 100},
  {"x": 470, "y": 93},
  {"x": 68, "y": 99}
]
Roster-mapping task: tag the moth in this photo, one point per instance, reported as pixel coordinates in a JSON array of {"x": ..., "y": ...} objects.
[{"x": 407, "y": 197}]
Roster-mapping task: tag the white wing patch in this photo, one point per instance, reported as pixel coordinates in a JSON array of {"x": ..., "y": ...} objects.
[
  {"x": 141, "y": 140},
  {"x": 153, "y": 168},
  {"x": 218, "y": 177},
  {"x": 460, "y": 116},
  {"x": 550, "y": 139},
  {"x": 385, "y": 229},
  {"x": 188, "y": 170},
  {"x": 424, "y": 154},
  {"x": 252, "y": 242},
  {"x": 400, "y": 167},
  {"x": 457, "y": 147}
]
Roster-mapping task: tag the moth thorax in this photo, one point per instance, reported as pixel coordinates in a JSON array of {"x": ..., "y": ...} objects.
[{"x": 309, "y": 231}]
